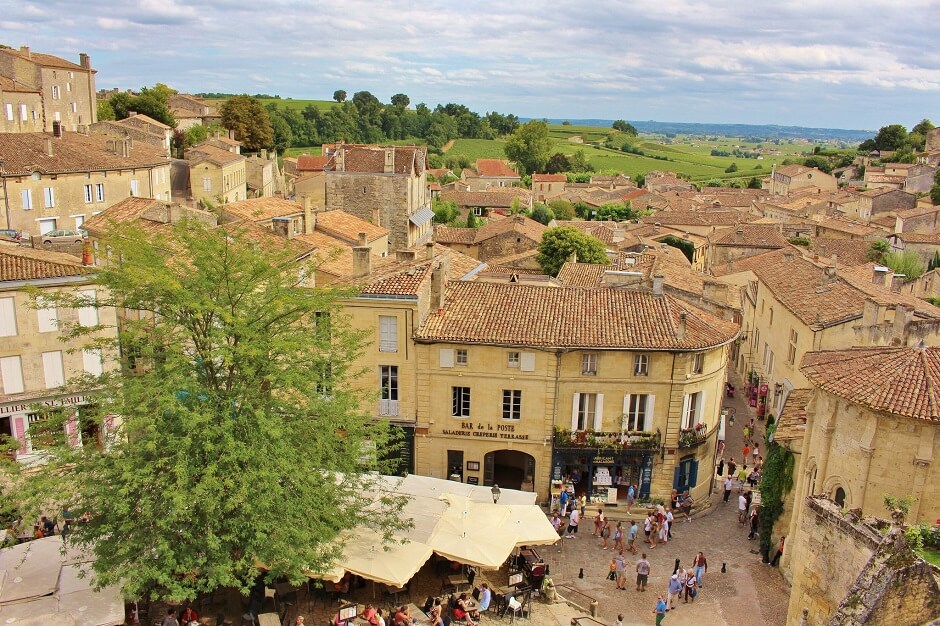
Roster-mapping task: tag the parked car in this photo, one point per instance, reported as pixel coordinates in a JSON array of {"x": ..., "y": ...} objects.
[
  {"x": 63, "y": 236},
  {"x": 11, "y": 233}
]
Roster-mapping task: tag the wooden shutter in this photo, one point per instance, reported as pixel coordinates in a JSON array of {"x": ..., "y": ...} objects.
[
  {"x": 574, "y": 411},
  {"x": 88, "y": 315},
  {"x": 11, "y": 371},
  {"x": 19, "y": 431},
  {"x": 625, "y": 420},
  {"x": 91, "y": 362},
  {"x": 700, "y": 408},
  {"x": 599, "y": 413},
  {"x": 527, "y": 361},
  {"x": 52, "y": 369},
  {"x": 48, "y": 317},
  {"x": 685, "y": 411},
  {"x": 693, "y": 473},
  {"x": 447, "y": 357},
  {"x": 676, "y": 475},
  {"x": 7, "y": 318},
  {"x": 648, "y": 421}
]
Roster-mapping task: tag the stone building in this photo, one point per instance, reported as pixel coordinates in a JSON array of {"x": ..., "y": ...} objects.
[
  {"x": 489, "y": 174},
  {"x": 547, "y": 186},
  {"x": 138, "y": 127},
  {"x": 216, "y": 175},
  {"x": 875, "y": 202},
  {"x": 191, "y": 111},
  {"x": 36, "y": 357},
  {"x": 60, "y": 180},
  {"x": 66, "y": 90},
  {"x": 497, "y": 238},
  {"x": 789, "y": 178},
  {"x": 20, "y": 107},
  {"x": 383, "y": 185},
  {"x": 741, "y": 241},
  {"x": 262, "y": 175}
]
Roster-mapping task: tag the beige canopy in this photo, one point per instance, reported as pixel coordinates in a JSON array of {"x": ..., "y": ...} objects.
[{"x": 393, "y": 564}]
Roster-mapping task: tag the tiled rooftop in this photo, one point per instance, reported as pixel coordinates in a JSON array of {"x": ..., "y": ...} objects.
[
  {"x": 21, "y": 263},
  {"x": 897, "y": 380},
  {"x": 573, "y": 318},
  {"x": 25, "y": 153},
  {"x": 262, "y": 209},
  {"x": 750, "y": 235},
  {"x": 495, "y": 168},
  {"x": 791, "y": 424},
  {"x": 346, "y": 226}
]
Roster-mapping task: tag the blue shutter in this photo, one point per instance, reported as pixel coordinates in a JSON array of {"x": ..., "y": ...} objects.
[
  {"x": 693, "y": 474},
  {"x": 677, "y": 473}
]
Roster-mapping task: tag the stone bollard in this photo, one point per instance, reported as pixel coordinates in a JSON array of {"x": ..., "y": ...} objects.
[{"x": 593, "y": 608}]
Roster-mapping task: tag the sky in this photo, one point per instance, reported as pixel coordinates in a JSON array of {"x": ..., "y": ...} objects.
[{"x": 856, "y": 64}]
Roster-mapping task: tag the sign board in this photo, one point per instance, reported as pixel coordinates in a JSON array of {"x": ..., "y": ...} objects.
[
  {"x": 515, "y": 579},
  {"x": 348, "y": 612}
]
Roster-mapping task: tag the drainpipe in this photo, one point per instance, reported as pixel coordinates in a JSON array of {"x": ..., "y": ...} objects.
[{"x": 6, "y": 198}]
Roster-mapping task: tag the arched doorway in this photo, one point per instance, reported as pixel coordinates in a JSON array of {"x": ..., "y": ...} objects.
[
  {"x": 840, "y": 497},
  {"x": 509, "y": 468}
]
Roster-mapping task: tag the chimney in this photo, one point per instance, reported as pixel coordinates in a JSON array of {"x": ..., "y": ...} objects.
[
  {"x": 873, "y": 313},
  {"x": 739, "y": 235},
  {"x": 25, "y": 50},
  {"x": 84, "y": 60},
  {"x": 363, "y": 239},
  {"x": 48, "y": 148},
  {"x": 657, "y": 285},
  {"x": 680, "y": 329},
  {"x": 405, "y": 255},
  {"x": 898, "y": 225},
  {"x": 231, "y": 135},
  {"x": 438, "y": 283},
  {"x": 125, "y": 147},
  {"x": 310, "y": 218},
  {"x": 656, "y": 227},
  {"x": 362, "y": 261},
  {"x": 429, "y": 249},
  {"x": 879, "y": 275},
  {"x": 896, "y": 281},
  {"x": 339, "y": 160},
  {"x": 389, "y": 160},
  {"x": 264, "y": 154},
  {"x": 831, "y": 272},
  {"x": 57, "y": 129},
  {"x": 902, "y": 318},
  {"x": 282, "y": 227},
  {"x": 834, "y": 260},
  {"x": 788, "y": 255}
]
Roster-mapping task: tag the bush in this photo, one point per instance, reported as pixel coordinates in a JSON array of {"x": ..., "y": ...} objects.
[{"x": 907, "y": 262}]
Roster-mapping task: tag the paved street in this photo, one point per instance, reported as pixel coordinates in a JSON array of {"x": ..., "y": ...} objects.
[{"x": 749, "y": 593}]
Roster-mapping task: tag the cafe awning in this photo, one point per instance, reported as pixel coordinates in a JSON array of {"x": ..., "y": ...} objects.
[
  {"x": 474, "y": 533},
  {"x": 393, "y": 564}
]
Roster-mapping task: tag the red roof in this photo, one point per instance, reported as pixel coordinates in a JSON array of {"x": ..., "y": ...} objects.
[
  {"x": 308, "y": 163},
  {"x": 495, "y": 167},
  {"x": 549, "y": 178}
]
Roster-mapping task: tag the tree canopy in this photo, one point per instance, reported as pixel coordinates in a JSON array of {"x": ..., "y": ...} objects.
[
  {"x": 152, "y": 102},
  {"x": 339, "y": 95},
  {"x": 250, "y": 121},
  {"x": 558, "y": 244},
  {"x": 240, "y": 440},
  {"x": 530, "y": 146},
  {"x": 625, "y": 127}
]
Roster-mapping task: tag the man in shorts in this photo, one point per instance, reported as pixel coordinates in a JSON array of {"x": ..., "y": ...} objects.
[
  {"x": 642, "y": 573},
  {"x": 573, "y": 520},
  {"x": 631, "y": 537}
]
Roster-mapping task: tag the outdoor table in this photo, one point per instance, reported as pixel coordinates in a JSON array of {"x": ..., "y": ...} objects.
[
  {"x": 269, "y": 619},
  {"x": 416, "y": 611},
  {"x": 456, "y": 580}
]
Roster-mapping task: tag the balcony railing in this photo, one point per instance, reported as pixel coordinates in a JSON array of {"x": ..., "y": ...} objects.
[
  {"x": 630, "y": 440},
  {"x": 693, "y": 437},
  {"x": 388, "y": 408}
]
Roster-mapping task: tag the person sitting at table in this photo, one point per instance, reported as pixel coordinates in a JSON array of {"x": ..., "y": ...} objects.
[
  {"x": 189, "y": 616},
  {"x": 462, "y": 610},
  {"x": 434, "y": 613},
  {"x": 403, "y": 617},
  {"x": 369, "y": 615},
  {"x": 486, "y": 596}
]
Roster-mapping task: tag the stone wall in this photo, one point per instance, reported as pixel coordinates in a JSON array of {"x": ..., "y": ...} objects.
[{"x": 381, "y": 199}]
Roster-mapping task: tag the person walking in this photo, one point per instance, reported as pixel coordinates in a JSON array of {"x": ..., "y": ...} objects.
[
  {"x": 583, "y": 502},
  {"x": 721, "y": 467},
  {"x": 755, "y": 453},
  {"x": 631, "y": 537},
  {"x": 648, "y": 526},
  {"x": 732, "y": 467},
  {"x": 621, "y": 572},
  {"x": 598, "y": 522},
  {"x": 643, "y": 573},
  {"x": 729, "y": 484},
  {"x": 690, "y": 590},
  {"x": 618, "y": 538},
  {"x": 669, "y": 519},
  {"x": 574, "y": 518},
  {"x": 742, "y": 477},
  {"x": 779, "y": 553},
  {"x": 631, "y": 497},
  {"x": 605, "y": 535},
  {"x": 674, "y": 589},
  {"x": 754, "y": 522},
  {"x": 660, "y": 610},
  {"x": 742, "y": 508},
  {"x": 700, "y": 565}
]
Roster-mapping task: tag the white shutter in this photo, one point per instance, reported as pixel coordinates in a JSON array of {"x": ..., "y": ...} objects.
[
  {"x": 625, "y": 417},
  {"x": 92, "y": 362},
  {"x": 527, "y": 361},
  {"x": 685, "y": 411},
  {"x": 7, "y": 318},
  {"x": 52, "y": 369},
  {"x": 48, "y": 318},
  {"x": 447, "y": 357},
  {"x": 599, "y": 413},
  {"x": 49, "y": 194},
  {"x": 388, "y": 333},
  {"x": 27, "y": 198},
  {"x": 574, "y": 411},
  {"x": 88, "y": 315},
  {"x": 650, "y": 406},
  {"x": 11, "y": 371},
  {"x": 700, "y": 409}
]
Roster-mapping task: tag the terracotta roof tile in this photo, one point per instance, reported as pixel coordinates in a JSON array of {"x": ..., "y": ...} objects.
[
  {"x": 358, "y": 158},
  {"x": 127, "y": 210},
  {"x": 848, "y": 251},
  {"x": 897, "y": 380},
  {"x": 46, "y": 60},
  {"x": 495, "y": 168},
  {"x": 345, "y": 226},
  {"x": 20, "y": 263},
  {"x": 8, "y": 84},
  {"x": 699, "y": 218},
  {"x": 218, "y": 156},
  {"x": 311, "y": 163},
  {"x": 25, "y": 153},
  {"x": 490, "y": 199},
  {"x": 262, "y": 209},
  {"x": 750, "y": 235},
  {"x": 454, "y": 234},
  {"x": 575, "y": 318},
  {"x": 791, "y": 424},
  {"x": 848, "y": 226},
  {"x": 549, "y": 178}
]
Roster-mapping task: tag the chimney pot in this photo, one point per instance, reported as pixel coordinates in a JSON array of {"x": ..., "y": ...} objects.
[
  {"x": 84, "y": 60},
  {"x": 25, "y": 50},
  {"x": 658, "y": 285},
  {"x": 879, "y": 275},
  {"x": 363, "y": 239},
  {"x": 680, "y": 329},
  {"x": 429, "y": 249}
]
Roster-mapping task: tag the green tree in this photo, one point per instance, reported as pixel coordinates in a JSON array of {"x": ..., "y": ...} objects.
[
  {"x": 250, "y": 121},
  {"x": 907, "y": 262},
  {"x": 558, "y": 244},
  {"x": 105, "y": 110},
  {"x": 624, "y": 127},
  {"x": 579, "y": 162},
  {"x": 754, "y": 183},
  {"x": 472, "y": 220},
  {"x": 616, "y": 211},
  {"x": 935, "y": 190},
  {"x": 445, "y": 211},
  {"x": 878, "y": 250},
  {"x": 934, "y": 261},
  {"x": 240, "y": 439},
  {"x": 401, "y": 100},
  {"x": 562, "y": 209},
  {"x": 339, "y": 95},
  {"x": 542, "y": 214},
  {"x": 153, "y": 102},
  {"x": 891, "y": 137},
  {"x": 557, "y": 164},
  {"x": 529, "y": 146},
  {"x": 731, "y": 168}
]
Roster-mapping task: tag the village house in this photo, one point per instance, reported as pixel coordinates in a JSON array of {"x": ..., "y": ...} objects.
[
  {"x": 787, "y": 179},
  {"x": 310, "y": 178},
  {"x": 37, "y": 355},
  {"x": 482, "y": 203},
  {"x": 700, "y": 222},
  {"x": 741, "y": 241},
  {"x": 496, "y": 238},
  {"x": 262, "y": 175},
  {"x": 487, "y": 174},
  {"x": 66, "y": 91},
  {"x": 837, "y": 228},
  {"x": 695, "y": 247},
  {"x": 141, "y": 128},
  {"x": 189, "y": 111},
  {"x": 917, "y": 177},
  {"x": 216, "y": 175},
  {"x": 926, "y": 245},
  {"x": 660, "y": 182},
  {"x": 60, "y": 180},
  {"x": 873, "y": 203},
  {"x": 547, "y": 186}
]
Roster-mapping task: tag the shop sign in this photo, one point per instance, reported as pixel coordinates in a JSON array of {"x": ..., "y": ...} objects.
[
  {"x": 9, "y": 409},
  {"x": 491, "y": 431},
  {"x": 603, "y": 460}
]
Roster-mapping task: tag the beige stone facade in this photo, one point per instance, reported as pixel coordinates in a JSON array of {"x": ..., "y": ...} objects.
[
  {"x": 20, "y": 107},
  {"x": 216, "y": 175},
  {"x": 67, "y": 89},
  {"x": 789, "y": 178},
  {"x": 35, "y": 362}
]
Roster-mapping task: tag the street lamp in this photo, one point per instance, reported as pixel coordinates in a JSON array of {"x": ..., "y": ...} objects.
[{"x": 495, "y": 492}]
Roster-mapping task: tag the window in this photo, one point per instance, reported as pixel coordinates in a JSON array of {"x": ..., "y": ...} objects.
[
  {"x": 23, "y": 113},
  {"x": 7, "y": 317},
  {"x": 839, "y": 497},
  {"x": 692, "y": 411},
  {"x": 638, "y": 411},
  {"x": 9, "y": 112},
  {"x": 26, "y": 197},
  {"x": 89, "y": 191},
  {"x": 88, "y": 315},
  {"x": 589, "y": 364},
  {"x": 513, "y": 360},
  {"x": 791, "y": 351},
  {"x": 462, "y": 356},
  {"x": 388, "y": 385},
  {"x": 47, "y": 225},
  {"x": 641, "y": 365},
  {"x": 99, "y": 192},
  {"x": 527, "y": 362},
  {"x": 512, "y": 404},
  {"x": 52, "y": 369},
  {"x": 68, "y": 86},
  {"x": 92, "y": 362},
  {"x": 325, "y": 378},
  {"x": 206, "y": 183},
  {"x": 461, "y": 401},
  {"x": 48, "y": 194},
  {"x": 321, "y": 324},
  {"x": 686, "y": 474},
  {"x": 55, "y": 92},
  {"x": 586, "y": 411},
  {"x": 698, "y": 362},
  {"x": 479, "y": 211},
  {"x": 11, "y": 373},
  {"x": 48, "y": 317},
  {"x": 771, "y": 316},
  {"x": 134, "y": 188},
  {"x": 388, "y": 333},
  {"x": 79, "y": 220},
  {"x": 57, "y": 117},
  {"x": 73, "y": 107}
]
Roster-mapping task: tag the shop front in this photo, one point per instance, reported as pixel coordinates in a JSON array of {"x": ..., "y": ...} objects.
[
  {"x": 602, "y": 466},
  {"x": 21, "y": 420}
]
